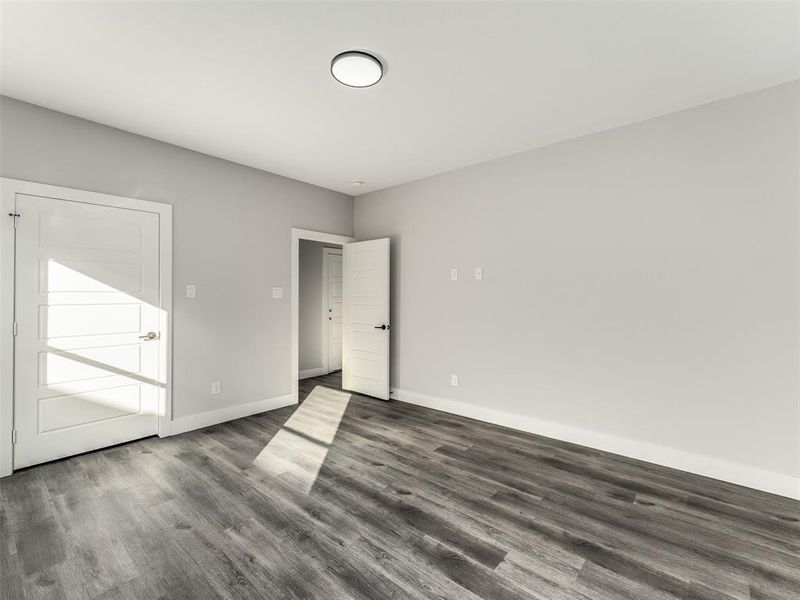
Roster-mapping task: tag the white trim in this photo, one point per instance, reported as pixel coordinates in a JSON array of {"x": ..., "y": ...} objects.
[
  {"x": 326, "y": 358},
  {"x": 316, "y": 372},
  {"x": 752, "y": 477},
  {"x": 797, "y": 333},
  {"x": 165, "y": 289},
  {"x": 228, "y": 413},
  {"x": 294, "y": 267},
  {"x": 9, "y": 188},
  {"x": 6, "y": 333}
]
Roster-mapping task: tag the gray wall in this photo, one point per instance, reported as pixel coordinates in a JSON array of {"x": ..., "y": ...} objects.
[
  {"x": 232, "y": 232},
  {"x": 310, "y": 304},
  {"x": 640, "y": 283}
]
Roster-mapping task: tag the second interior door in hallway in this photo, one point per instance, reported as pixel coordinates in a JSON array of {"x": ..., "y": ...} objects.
[{"x": 333, "y": 302}]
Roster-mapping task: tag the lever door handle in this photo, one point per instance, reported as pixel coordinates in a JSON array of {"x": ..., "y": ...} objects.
[
  {"x": 152, "y": 335},
  {"x": 384, "y": 327}
]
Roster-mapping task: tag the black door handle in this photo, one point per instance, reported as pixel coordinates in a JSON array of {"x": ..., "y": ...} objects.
[{"x": 384, "y": 327}]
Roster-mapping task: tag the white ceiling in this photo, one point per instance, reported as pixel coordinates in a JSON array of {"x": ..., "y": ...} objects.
[{"x": 465, "y": 82}]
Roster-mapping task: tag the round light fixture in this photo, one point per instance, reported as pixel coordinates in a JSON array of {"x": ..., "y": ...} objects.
[
  {"x": 358, "y": 182},
  {"x": 356, "y": 69}
]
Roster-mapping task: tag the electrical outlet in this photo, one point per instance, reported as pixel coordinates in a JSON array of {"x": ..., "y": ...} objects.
[
  {"x": 454, "y": 380},
  {"x": 478, "y": 273},
  {"x": 216, "y": 388},
  {"x": 191, "y": 291},
  {"x": 277, "y": 292},
  {"x": 453, "y": 274}
]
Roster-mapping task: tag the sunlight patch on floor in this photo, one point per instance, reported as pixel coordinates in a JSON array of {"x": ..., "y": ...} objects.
[{"x": 297, "y": 452}]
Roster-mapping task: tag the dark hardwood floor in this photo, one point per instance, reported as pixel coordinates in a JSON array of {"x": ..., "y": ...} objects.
[
  {"x": 350, "y": 497},
  {"x": 331, "y": 380}
]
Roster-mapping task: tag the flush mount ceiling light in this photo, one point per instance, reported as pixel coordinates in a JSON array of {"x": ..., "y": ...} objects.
[{"x": 356, "y": 69}]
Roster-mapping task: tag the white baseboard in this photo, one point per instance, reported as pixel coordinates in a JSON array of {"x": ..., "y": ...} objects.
[
  {"x": 228, "y": 413},
  {"x": 752, "y": 477},
  {"x": 306, "y": 373}
]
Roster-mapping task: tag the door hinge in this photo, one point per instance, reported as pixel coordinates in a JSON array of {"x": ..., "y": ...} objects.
[
  {"x": 14, "y": 327},
  {"x": 13, "y": 436},
  {"x": 15, "y": 216}
]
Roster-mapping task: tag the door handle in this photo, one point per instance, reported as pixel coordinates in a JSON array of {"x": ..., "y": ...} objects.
[
  {"x": 384, "y": 327},
  {"x": 152, "y": 335}
]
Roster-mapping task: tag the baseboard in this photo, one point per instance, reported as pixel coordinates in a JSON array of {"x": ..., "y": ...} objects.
[
  {"x": 228, "y": 413},
  {"x": 752, "y": 477},
  {"x": 306, "y": 373}
]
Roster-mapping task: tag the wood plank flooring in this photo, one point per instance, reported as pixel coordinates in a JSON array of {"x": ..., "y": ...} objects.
[
  {"x": 347, "y": 497},
  {"x": 331, "y": 380}
]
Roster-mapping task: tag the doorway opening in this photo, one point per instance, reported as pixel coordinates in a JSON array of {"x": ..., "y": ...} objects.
[
  {"x": 365, "y": 330},
  {"x": 320, "y": 315},
  {"x": 316, "y": 310}
]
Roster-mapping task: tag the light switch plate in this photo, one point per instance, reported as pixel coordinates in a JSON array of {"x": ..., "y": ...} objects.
[
  {"x": 277, "y": 292},
  {"x": 216, "y": 388},
  {"x": 478, "y": 273},
  {"x": 191, "y": 291},
  {"x": 454, "y": 274},
  {"x": 454, "y": 380}
]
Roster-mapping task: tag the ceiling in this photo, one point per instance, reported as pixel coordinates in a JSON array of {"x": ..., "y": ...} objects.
[{"x": 464, "y": 82}]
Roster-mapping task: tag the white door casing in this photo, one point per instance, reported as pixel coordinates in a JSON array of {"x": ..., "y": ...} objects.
[
  {"x": 87, "y": 290},
  {"x": 334, "y": 296},
  {"x": 365, "y": 343}
]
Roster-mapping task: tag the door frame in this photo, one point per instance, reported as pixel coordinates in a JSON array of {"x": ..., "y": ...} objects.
[
  {"x": 9, "y": 188},
  {"x": 294, "y": 269},
  {"x": 326, "y": 355}
]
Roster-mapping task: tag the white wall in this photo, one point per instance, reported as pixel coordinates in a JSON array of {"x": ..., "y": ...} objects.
[
  {"x": 640, "y": 288},
  {"x": 232, "y": 232}
]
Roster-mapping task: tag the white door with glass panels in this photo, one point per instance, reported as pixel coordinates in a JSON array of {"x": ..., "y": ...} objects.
[
  {"x": 365, "y": 344},
  {"x": 88, "y": 342},
  {"x": 334, "y": 294}
]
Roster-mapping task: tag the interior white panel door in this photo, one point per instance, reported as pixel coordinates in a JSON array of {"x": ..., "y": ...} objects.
[
  {"x": 335, "y": 296},
  {"x": 87, "y": 296},
  {"x": 365, "y": 343}
]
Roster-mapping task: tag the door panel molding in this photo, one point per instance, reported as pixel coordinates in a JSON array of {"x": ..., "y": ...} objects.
[
  {"x": 9, "y": 190},
  {"x": 366, "y": 326}
]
